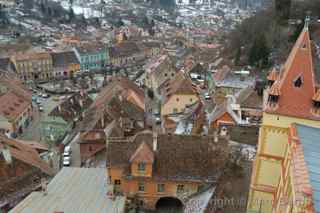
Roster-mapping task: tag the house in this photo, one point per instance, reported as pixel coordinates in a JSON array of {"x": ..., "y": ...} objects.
[
  {"x": 33, "y": 66},
  {"x": 74, "y": 190},
  {"x": 292, "y": 98},
  {"x": 125, "y": 54},
  {"x": 119, "y": 118},
  {"x": 118, "y": 111},
  {"x": 178, "y": 94},
  {"x": 138, "y": 167},
  {"x": 158, "y": 71},
  {"x": 65, "y": 64},
  {"x": 222, "y": 116},
  {"x": 229, "y": 82},
  {"x": 21, "y": 170},
  {"x": 16, "y": 110},
  {"x": 92, "y": 56},
  {"x": 298, "y": 186},
  {"x": 249, "y": 105}
]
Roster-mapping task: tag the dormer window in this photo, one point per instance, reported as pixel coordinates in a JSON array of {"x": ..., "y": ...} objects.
[
  {"x": 141, "y": 167},
  {"x": 298, "y": 82}
]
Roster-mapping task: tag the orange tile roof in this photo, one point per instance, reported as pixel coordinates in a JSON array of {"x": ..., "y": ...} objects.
[
  {"x": 11, "y": 105},
  {"x": 14, "y": 84},
  {"x": 275, "y": 89},
  {"x": 297, "y": 101}
]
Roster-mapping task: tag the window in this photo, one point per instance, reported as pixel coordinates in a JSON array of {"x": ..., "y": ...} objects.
[
  {"x": 191, "y": 100},
  {"x": 161, "y": 187},
  {"x": 141, "y": 167},
  {"x": 141, "y": 186},
  {"x": 177, "y": 99},
  {"x": 172, "y": 74},
  {"x": 117, "y": 182},
  {"x": 180, "y": 188},
  {"x": 298, "y": 82},
  {"x": 165, "y": 74}
]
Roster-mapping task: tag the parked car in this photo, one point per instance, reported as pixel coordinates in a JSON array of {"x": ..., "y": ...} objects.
[
  {"x": 41, "y": 109},
  {"x": 34, "y": 98},
  {"x": 67, "y": 151},
  {"x": 38, "y": 101},
  {"x": 66, "y": 161}
]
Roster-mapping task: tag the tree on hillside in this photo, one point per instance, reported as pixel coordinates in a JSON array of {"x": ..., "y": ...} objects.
[
  {"x": 259, "y": 52},
  {"x": 282, "y": 9}
]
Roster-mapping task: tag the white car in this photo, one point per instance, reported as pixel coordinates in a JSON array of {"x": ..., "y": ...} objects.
[
  {"x": 67, "y": 151},
  {"x": 40, "y": 108},
  {"x": 66, "y": 161}
]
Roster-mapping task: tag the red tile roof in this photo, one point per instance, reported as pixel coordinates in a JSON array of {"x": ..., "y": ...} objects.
[
  {"x": 296, "y": 101},
  {"x": 273, "y": 75},
  {"x": 11, "y": 105},
  {"x": 25, "y": 153}
]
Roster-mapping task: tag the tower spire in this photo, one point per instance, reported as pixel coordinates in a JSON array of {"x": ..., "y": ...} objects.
[{"x": 307, "y": 21}]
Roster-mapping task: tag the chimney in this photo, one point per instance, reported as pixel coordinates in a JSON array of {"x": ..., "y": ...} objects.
[{"x": 154, "y": 141}]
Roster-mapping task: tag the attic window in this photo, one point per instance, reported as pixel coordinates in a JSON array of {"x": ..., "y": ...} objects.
[{"x": 298, "y": 82}]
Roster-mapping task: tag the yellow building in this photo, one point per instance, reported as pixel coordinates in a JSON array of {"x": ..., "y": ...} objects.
[
  {"x": 178, "y": 94},
  {"x": 292, "y": 97},
  {"x": 138, "y": 166},
  {"x": 33, "y": 66}
]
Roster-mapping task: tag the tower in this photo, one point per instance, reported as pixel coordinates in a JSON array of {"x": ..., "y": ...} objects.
[{"x": 291, "y": 97}]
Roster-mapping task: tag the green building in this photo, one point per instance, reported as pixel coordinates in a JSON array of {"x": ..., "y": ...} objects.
[{"x": 92, "y": 56}]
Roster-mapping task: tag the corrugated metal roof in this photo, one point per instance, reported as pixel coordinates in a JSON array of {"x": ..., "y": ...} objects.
[
  {"x": 309, "y": 137},
  {"x": 74, "y": 190}
]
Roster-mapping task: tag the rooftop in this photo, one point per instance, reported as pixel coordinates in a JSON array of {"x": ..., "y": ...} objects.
[
  {"x": 25, "y": 153},
  {"x": 124, "y": 49},
  {"x": 205, "y": 159},
  {"x": 11, "y": 105},
  {"x": 78, "y": 190},
  {"x": 62, "y": 59},
  {"x": 296, "y": 79}
]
